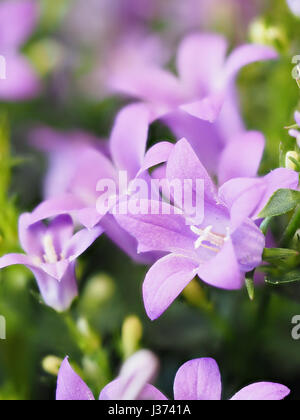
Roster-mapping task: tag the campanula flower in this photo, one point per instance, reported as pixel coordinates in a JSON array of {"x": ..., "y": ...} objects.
[
  {"x": 80, "y": 166},
  {"x": 51, "y": 253},
  {"x": 205, "y": 78},
  {"x": 220, "y": 249}
]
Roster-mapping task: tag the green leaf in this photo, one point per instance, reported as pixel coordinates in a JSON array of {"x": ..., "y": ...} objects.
[
  {"x": 289, "y": 277},
  {"x": 282, "y": 201},
  {"x": 281, "y": 256}
]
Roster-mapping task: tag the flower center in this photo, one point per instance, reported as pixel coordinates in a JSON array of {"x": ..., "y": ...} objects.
[
  {"x": 208, "y": 239},
  {"x": 50, "y": 255}
]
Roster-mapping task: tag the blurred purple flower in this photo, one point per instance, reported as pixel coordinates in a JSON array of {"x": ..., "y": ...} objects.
[
  {"x": 294, "y": 5},
  {"x": 132, "y": 383},
  {"x": 51, "y": 253},
  {"x": 183, "y": 17},
  {"x": 221, "y": 249},
  {"x": 205, "y": 78},
  {"x": 76, "y": 168},
  {"x": 65, "y": 152},
  {"x": 17, "y": 22}
]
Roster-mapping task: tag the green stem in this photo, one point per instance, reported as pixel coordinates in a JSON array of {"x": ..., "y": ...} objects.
[
  {"x": 291, "y": 229},
  {"x": 264, "y": 227}
]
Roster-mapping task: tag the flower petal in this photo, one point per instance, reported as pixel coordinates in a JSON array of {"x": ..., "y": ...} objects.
[
  {"x": 125, "y": 241},
  {"x": 158, "y": 232},
  {"x": 242, "y": 156},
  {"x": 88, "y": 217},
  {"x": 65, "y": 204},
  {"x": 58, "y": 294},
  {"x": 31, "y": 235},
  {"x": 205, "y": 138},
  {"x": 151, "y": 84},
  {"x": 223, "y": 270},
  {"x": 183, "y": 164},
  {"x": 15, "y": 259},
  {"x": 249, "y": 243},
  {"x": 262, "y": 391},
  {"x": 21, "y": 82},
  {"x": 113, "y": 389},
  {"x": 246, "y": 197},
  {"x": 151, "y": 393},
  {"x": 70, "y": 387},
  {"x": 207, "y": 109},
  {"x": 157, "y": 154},
  {"x": 165, "y": 280},
  {"x": 199, "y": 61},
  {"x": 294, "y": 6},
  {"x": 243, "y": 197},
  {"x": 242, "y": 56},
  {"x": 197, "y": 380},
  {"x": 136, "y": 373},
  {"x": 129, "y": 138},
  {"x": 17, "y": 22},
  {"x": 61, "y": 230},
  {"x": 80, "y": 242}
]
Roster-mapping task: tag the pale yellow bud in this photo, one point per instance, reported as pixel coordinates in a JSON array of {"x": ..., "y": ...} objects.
[
  {"x": 289, "y": 164},
  {"x": 51, "y": 365},
  {"x": 132, "y": 332},
  {"x": 98, "y": 290}
]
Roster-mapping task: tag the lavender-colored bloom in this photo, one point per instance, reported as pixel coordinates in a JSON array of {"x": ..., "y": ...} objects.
[
  {"x": 204, "y": 92},
  {"x": 294, "y": 5},
  {"x": 17, "y": 22},
  {"x": 78, "y": 193},
  {"x": 132, "y": 383},
  {"x": 205, "y": 77},
  {"x": 65, "y": 152},
  {"x": 220, "y": 250},
  {"x": 127, "y": 148},
  {"x": 51, "y": 253}
]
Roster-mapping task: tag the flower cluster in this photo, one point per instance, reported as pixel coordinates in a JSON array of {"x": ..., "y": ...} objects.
[{"x": 196, "y": 380}]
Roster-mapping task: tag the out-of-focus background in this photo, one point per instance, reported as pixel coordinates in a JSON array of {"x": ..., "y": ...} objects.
[{"x": 73, "y": 49}]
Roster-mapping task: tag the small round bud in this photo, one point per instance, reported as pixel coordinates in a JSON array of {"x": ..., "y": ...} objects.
[
  {"x": 132, "y": 332},
  {"x": 51, "y": 365},
  {"x": 290, "y": 157}
]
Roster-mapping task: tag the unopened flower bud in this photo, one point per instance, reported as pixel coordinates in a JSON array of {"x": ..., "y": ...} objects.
[
  {"x": 51, "y": 365},
  {"x": 132, "y": 332},
  {"x": 262, "y": 33},
  {"x": 99, "y": 290},
  {"x": 290, "y": 159}
]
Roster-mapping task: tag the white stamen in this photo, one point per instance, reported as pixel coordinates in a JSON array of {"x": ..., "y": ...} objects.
[
  {"x": 50, "y": 256},
  {"x": 204, "y": 235}
]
